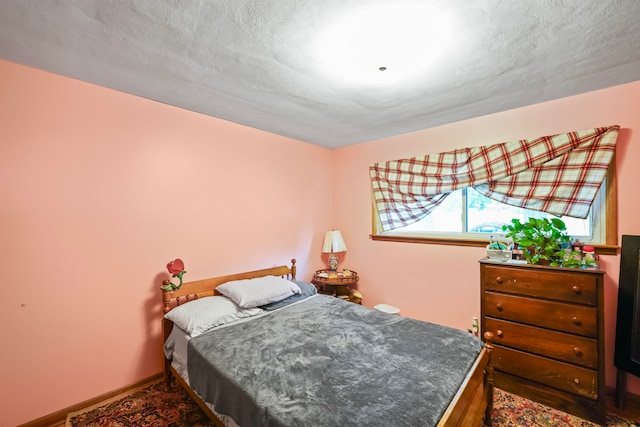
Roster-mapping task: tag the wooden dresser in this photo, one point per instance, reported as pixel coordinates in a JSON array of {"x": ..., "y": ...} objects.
[{"x": 548, "y": 326}]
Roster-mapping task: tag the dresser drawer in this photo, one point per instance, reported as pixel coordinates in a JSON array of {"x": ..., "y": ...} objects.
[
  {"x": 563, "y": 376},
  {"x": 556, "y": 345},
  {"x": 576, "y": 287},
  {"x": 571, "y": 318}
]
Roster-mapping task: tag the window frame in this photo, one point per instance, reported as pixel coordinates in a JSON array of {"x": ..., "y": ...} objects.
[{"x": 610, "y": 247}]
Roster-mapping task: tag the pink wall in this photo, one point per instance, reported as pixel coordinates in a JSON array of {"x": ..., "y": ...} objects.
[
  {"x": 99, "y": 191},
  {"x": 441, "y": 283}
]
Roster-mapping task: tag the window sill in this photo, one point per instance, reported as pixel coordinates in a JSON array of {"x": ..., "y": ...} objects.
[{"x": 600, "y": 249}]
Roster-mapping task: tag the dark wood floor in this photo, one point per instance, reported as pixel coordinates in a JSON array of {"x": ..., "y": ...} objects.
[{"x": 631, "y": 410}]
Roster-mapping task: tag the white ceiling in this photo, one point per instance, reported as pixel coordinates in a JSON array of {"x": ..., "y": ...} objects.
[{"x": 259, "y": 62}]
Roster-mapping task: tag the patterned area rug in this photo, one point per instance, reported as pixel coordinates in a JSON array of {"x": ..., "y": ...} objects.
[
  {"x": 147, "y": 406},
  {"x": 516, "y": 411},
  {"x": 151, "y": 405}
]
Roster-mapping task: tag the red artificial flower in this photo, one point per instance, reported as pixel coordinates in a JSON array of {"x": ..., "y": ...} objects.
[{"x": 176, "y": 266}]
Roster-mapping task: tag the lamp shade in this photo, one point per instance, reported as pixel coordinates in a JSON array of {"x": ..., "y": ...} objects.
[{"x": 333, "y": 242}]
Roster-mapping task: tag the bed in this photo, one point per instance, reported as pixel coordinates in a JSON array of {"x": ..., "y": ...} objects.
[{"x": 302, "y": 358}]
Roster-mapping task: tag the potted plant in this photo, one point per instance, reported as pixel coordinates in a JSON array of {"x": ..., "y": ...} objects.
[{"x": 543, "y": 241}]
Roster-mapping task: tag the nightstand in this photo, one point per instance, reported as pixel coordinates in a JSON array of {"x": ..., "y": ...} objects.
[{"x": 337, "y": 283}]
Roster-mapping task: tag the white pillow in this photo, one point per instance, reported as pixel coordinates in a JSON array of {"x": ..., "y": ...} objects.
[
  {"x": 198, "y": 316},
  {"x": 249, "y": 293}
]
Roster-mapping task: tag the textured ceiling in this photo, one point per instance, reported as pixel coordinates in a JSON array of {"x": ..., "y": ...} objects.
[{"x": 260, "y": 62}]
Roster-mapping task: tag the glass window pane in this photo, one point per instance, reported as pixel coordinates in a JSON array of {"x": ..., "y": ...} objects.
[
  {"x": 485, "y": 215},
  {"x": 577, "y": 227},
  {"x": 447, "y": 217}
]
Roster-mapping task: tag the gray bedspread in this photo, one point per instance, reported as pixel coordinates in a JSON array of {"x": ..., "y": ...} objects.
[{"x": 327, "y": 362}]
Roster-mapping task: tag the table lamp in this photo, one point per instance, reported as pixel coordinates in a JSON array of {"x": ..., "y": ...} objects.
[{"x": 333, "y": 242}]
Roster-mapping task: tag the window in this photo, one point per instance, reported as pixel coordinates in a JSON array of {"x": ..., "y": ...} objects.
[
  {"x": 464, "y": 195},
  {"x": 468, "y": 218},
  {"x": 468, "y": 213}
]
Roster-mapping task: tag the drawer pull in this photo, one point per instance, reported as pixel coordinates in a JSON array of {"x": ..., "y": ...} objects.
[
  {"x": 498, "y": 279},
  {"x": 576, "y": 380},
  {"x": 577, "y": 351},
  {"x": 576, "y": 289},
  {"x": 499, "y": 333},
  {"x": 576, "y": 321},
  {"x": 499, "y": 306}
]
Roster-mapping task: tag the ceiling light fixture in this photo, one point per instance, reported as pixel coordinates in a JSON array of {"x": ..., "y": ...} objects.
[{"x": 408, "y": 37}]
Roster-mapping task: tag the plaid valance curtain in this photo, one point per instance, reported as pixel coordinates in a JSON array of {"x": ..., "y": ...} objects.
[{"x": 558, "y": 174}]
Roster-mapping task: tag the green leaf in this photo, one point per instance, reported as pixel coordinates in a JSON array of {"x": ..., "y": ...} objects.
[
  {"x": 525, "y": 242},
  {"x": 559, "y": 224}
]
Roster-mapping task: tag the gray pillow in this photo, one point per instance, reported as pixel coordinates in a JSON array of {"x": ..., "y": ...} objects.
[{"x": 306, "y": 290}]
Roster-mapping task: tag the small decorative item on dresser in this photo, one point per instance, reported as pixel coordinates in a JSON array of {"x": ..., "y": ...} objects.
[
  {"x": 589, "y": 254},
  {"x": 498, "y": 251}
]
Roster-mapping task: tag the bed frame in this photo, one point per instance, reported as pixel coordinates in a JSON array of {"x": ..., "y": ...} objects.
[{"x": 471, "y": 406}]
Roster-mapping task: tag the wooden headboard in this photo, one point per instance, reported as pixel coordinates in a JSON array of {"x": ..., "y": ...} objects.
[{"x": 207, "y": 287}]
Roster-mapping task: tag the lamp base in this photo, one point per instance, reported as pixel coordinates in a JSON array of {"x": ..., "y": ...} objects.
[{"x": 333, "y": 262}]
